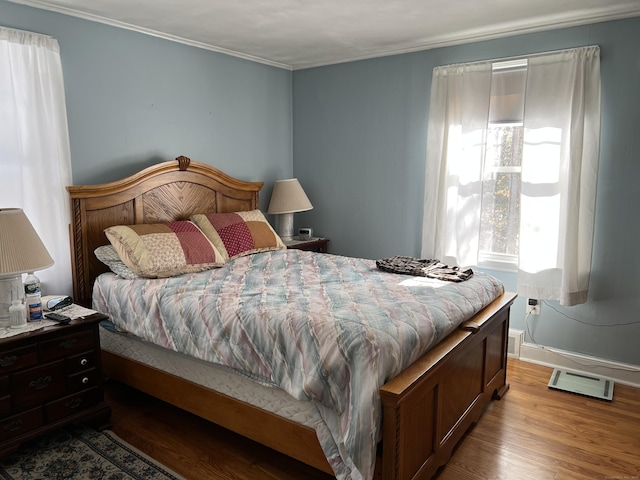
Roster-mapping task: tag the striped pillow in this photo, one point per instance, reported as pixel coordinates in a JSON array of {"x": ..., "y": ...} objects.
[
  {"x": 164, "y": 249},
  {"x": 240, "y": 233}
]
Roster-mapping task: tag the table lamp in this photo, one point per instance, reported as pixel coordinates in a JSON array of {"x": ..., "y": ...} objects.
[
  {"x": 21, "y": 251},
  {"x": 287, "y": 198}
]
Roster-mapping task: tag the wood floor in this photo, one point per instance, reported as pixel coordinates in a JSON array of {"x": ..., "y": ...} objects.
[{"x": 533, "y": 433}]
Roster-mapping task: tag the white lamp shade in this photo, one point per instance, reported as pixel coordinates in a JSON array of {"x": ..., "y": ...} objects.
[
  {"x": 288, "y": 197},
  {"x": 21, "y": 249}
]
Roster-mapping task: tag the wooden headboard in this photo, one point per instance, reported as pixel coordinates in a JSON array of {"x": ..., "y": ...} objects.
[{"x": 164, "y": 192}]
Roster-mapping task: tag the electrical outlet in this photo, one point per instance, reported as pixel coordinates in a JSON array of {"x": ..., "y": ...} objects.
[{"x": 533, "y": 306}]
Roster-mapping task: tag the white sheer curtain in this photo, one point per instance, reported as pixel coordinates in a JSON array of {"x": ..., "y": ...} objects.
[
  {"x": 559, "y": 174},
  {"x": 559, "y": 170},
  {"x": 458, "y": 117},
  {"x": 34, "y": 145}
]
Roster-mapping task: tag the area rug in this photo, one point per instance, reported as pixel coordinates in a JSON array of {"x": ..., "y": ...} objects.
[{"x": 82, "y": 453}]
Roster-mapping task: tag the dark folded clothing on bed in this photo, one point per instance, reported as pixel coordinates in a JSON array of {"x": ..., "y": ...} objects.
[{"x": 423, "y": 267}]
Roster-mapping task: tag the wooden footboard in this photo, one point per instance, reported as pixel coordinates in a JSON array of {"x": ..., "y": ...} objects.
[{"x": 428, "y": 408}]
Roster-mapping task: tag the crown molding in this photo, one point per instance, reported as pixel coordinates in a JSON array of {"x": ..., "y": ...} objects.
[
  {"x": 550, "y": 22},
  {"x": 147, "y": 31},
  {"x": 504, "y": 30}
]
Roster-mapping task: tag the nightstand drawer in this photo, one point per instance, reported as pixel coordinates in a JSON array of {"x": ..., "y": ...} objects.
[
  {"x": 84, "y": 361},
  {"x": 82, "y": 380},
  {"x": 12, "y": 360},
  {"x": 18, "y": 424},
  {"x": 69, "y": 405},
  {"x": 66, "y": 346},
  {"x": 38, "y": 385}
]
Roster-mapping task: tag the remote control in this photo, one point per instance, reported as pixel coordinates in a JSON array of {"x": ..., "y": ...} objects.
[{"x": 61, "y": 319}]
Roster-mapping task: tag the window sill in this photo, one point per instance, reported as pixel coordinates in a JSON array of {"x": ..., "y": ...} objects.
[{"x": 503, "y": 263}]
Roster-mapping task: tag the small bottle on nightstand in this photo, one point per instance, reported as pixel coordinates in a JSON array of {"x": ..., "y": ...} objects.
[
  {"x": 34, "y": 307},
  {"x": 17, "y": 314},
  {"x": 33, "y": 297},
  {"x": 31, "y": 284}
]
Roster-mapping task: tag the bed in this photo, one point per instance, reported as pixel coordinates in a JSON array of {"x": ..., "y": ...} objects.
[{"x": 425, "y": 409}]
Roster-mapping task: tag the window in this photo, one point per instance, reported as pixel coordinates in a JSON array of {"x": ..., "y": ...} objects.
[
  {"x": 500, "y": 216},
  {"x": 502, "y": 168},
  {"x": 511, "y": 169}
]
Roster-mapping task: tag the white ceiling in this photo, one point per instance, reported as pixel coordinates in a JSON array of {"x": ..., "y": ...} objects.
[{"x": 297, "y": 34}]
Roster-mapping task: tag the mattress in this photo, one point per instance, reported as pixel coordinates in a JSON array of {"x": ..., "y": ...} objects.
[{"x": 213, "y": 376}]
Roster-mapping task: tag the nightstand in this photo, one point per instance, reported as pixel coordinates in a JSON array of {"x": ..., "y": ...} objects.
[
  {"x": 316, "y": 244},
  {"x": 49, "y": 378}
]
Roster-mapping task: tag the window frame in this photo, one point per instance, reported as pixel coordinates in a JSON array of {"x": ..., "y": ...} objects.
[{"x": 496, "y": 260}]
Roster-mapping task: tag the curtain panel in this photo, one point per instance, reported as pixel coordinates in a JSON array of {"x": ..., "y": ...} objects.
[
  {"x": 458, "y": 116},
  {"x": 34, "y": 145},
  {"x": 559, "y": 169}
]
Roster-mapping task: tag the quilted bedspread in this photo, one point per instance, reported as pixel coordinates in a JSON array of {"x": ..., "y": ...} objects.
[{"x": 325, "y": 328}]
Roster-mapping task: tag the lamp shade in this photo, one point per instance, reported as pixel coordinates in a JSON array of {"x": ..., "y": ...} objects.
[
  {"x": 21, "y": 249},
  {"x": 288, "y": 197}
]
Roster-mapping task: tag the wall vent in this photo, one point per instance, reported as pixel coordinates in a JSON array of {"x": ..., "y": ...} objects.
[{"x": 516, "y": 337}]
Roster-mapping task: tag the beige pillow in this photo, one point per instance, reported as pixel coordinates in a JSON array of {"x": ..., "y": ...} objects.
[
  {"x": 164, "y": 249},
  {"x": 240, "y": 233}
]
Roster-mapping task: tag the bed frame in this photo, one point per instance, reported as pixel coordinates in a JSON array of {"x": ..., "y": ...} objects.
[{"x": 427, "y": 408}]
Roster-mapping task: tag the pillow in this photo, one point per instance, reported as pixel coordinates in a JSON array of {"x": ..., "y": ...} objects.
[
  {"x": 164, "y": 249},
  {"x": 240, "y": 233},
  {"x": 108, "y": 255}
]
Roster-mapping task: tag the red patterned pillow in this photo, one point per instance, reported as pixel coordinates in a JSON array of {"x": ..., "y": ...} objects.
[
  {"x": 240, "y": 233},
  {"x": 164, "y": 249}
]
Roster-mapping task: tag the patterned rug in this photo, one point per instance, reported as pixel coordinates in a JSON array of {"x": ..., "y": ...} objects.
[{"x": 81, "y": 453}]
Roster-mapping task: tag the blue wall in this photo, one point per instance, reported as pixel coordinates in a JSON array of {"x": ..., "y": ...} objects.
[
  {"x": 359, "y": 151},
  {"x": 134, "y": 100}
]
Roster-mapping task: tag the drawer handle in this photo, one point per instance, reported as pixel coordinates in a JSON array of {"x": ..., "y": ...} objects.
[
  {"x": 73, "y": 404},
  {"x": 68, "y": 343},
  {"x": 13, "y": 425},
  {"x": 85, "y": 380},
  {"x": 41, "y": 383},
  {"x": 8, "y": 361},
  {"x": 84, "y": 361}
]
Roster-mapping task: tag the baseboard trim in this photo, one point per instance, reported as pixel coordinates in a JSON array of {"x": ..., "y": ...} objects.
[{"x": 555, "y": 358}]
